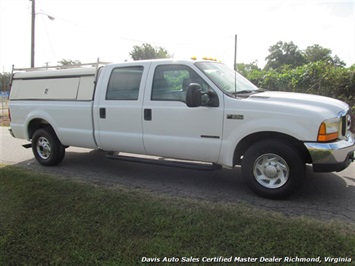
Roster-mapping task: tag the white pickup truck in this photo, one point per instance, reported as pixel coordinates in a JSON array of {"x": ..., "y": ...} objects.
[{"x": 194, "y": 110}]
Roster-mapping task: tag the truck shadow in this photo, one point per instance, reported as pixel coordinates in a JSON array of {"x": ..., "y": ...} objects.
[{"x": 325, "y": 196}]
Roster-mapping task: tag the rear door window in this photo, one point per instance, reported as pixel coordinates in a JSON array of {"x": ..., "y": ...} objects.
[{"x": 124, "y": 83}]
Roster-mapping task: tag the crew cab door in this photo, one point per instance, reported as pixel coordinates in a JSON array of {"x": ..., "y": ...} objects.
[
  {"x": 118, "y": 108},
  {"x": 171, "y": 129}
]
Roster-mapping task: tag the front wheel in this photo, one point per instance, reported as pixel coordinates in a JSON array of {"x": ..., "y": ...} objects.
[
  {"x": 273, "y": 169},
  {"x": 46, "y": 147}
]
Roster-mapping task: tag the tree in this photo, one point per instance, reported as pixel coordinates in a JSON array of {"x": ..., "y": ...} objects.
[
  {"x": 283, "y": 53},
  {"x": 317, "y": 53},
  {"x": 337, "y": 62},
  {"x": 147, "y": 51}
]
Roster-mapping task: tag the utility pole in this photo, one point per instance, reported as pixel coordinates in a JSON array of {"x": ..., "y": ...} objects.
[
  {"x": 33, "y": 20},
  {"x": 235, "y": 65}
]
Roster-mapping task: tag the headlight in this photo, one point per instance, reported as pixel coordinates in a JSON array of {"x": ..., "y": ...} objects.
[{"x": 329, "y": 130}]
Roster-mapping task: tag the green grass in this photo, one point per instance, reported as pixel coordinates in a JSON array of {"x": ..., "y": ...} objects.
[{"x": 46, "y": 220}]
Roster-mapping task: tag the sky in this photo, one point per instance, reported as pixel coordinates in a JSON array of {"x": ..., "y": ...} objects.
[{"x": 85, "y": 30}]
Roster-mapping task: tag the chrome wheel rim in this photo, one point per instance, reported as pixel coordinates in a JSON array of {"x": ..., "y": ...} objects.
[
  {"x": 271, "y": 171},
  {"x": 43, "y": 148}
]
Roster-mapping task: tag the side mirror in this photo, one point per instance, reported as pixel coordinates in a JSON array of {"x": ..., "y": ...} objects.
[{"x": 193, "y": 95}]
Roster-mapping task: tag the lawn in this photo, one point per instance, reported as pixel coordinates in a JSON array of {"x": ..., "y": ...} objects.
[{"x": 47, "y": 220}]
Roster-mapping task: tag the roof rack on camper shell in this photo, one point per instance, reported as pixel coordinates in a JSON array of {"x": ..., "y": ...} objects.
[{"x": 96, "y": 64}]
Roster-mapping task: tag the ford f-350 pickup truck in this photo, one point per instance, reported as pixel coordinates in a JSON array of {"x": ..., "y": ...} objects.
[{"x": 196, "y": 110}]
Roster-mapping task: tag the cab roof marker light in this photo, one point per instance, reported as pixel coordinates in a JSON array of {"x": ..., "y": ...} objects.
[{"x": 206, "y": 58}]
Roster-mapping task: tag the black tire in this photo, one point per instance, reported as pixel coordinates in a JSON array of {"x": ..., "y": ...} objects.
[
  {"x": 273, "y": 168},
  {"x": 46, "y": 147}
]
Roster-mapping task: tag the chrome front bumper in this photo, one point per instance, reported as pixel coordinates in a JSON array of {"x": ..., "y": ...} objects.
[{"x": 333, "y": 156}]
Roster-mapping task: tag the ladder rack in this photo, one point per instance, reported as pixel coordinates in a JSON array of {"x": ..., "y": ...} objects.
[{"x": 96, "y": 64}]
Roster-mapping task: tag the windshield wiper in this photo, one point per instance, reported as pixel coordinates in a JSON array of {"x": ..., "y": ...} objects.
[
  {"x": 248, "y": 91},
  {"x": 244, "y": 92}
]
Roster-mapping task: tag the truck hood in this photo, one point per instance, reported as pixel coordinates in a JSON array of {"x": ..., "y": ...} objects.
[{"x": 303, "y": 101}]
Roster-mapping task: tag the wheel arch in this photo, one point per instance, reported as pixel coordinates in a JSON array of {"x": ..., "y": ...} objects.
[
  {"x": 36, "y": 124},
  {"x": 249, "y": 140}
]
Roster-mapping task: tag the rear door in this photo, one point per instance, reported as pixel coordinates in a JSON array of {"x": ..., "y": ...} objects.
[{"x": 118, "y": 109}]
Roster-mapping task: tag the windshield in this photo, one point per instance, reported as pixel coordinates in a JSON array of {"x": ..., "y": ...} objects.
[{"x": 225, "y": 78}]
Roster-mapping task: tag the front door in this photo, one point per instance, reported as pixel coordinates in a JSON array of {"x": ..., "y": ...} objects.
[{"x": 170, "y": 128}]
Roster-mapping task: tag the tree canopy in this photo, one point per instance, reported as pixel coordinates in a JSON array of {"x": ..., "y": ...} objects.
[
  {"x": 287, "y": 53},
  {"x": 147, "y": 51},
  {"x": 317, "y": 53},
  {"x": 283, "y": 53}
]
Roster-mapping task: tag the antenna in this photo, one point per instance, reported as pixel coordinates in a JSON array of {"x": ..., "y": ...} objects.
[{"x": 235, "y": 65}]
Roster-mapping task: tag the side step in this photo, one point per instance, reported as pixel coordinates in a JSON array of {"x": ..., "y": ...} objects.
[
  {"x": 165, "y": 162},
  {"x": 27, "y": 146}
]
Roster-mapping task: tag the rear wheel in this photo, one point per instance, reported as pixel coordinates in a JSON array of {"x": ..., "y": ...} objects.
[
  {"x": 46, "y": 147},
  {"x": 273, "y": 169}
]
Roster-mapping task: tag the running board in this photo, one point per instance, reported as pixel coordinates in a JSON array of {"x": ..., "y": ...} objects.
[
  {"x": 27, "y": 146},
  {"x": 166, "y": 162}
]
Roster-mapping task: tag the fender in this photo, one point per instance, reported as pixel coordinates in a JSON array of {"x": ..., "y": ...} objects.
[
  {"x": 235, "y": 136},
  {"x": 41, "y": 117},
  {"x": 257, "y": 117}
]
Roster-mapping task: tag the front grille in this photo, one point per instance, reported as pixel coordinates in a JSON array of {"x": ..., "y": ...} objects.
[{"x": 345, "y": 124}]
